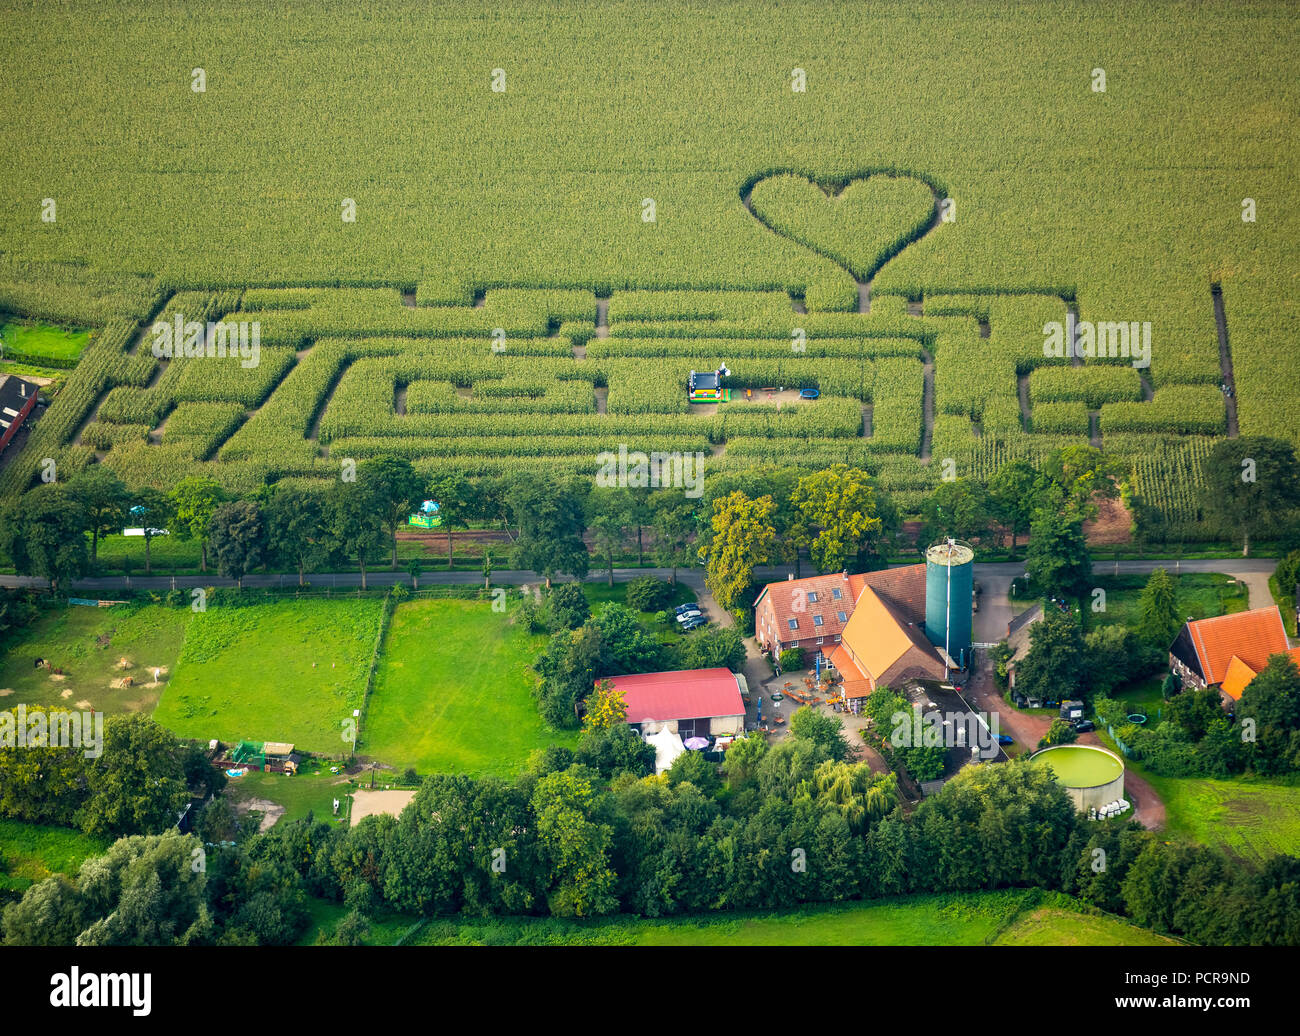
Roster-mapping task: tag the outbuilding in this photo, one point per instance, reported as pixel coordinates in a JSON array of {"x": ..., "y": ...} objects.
[{"x": 688, "y": 703}]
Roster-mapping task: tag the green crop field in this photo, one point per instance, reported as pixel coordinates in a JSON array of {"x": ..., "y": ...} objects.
[
  {"x": 453, "y": 693},
  {"x": 38, "y": 342},
  {"x": 292, "y": 670},
  {"x": 763, "y": 186}
]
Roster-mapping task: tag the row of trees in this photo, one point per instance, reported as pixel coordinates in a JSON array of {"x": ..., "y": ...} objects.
[{"x": 585, "y": 833}]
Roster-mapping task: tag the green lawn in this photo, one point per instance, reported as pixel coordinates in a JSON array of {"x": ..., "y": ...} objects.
[
  {"x": 1010, "y": 917},
  {"x": 292, "y": 670},
  {"x": 43, "y": 340},
  {"x": 1248, "y": 816},
  {"x": 299, "y": 795},
  {"x": 88, "y": 644},
  {"x": 1200, "y": 595},
  {"x": 454, "y": 692},
  {"x": 32, "y": 852}
]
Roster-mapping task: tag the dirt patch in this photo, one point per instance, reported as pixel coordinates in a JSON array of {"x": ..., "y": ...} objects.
[
  {"x": 6, "y": 691},
  {"x": 1113, "y": 524},
  {"x": 373, "y": 803},
  {"x": 62, "y": 694},
  {"x": 58, "y": 677},
  {"x": 84, "y": 704},
  {"x": 271, "y": 811}
]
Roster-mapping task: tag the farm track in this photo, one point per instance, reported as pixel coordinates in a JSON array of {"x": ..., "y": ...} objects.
[
  {"x": 1022, "y": 393},
  {"x": 1225, "y": 360}
]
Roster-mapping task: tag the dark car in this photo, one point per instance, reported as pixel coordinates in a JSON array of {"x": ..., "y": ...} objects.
[
  {"x": 1006, "y": 739},
  {"x": 687, "y": 609},
  {"x": 1083, "y": 726},
  {"x": 693, "y": 623}
]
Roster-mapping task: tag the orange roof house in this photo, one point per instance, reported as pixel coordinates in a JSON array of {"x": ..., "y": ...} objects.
[
  {"x": 882, "y": 647},
  {"x": 1228, "y": 650},
  {"x": 1239, "y": 675}
]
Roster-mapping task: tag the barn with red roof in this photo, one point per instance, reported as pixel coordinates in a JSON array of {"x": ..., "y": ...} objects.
[
  {"x": 1228, "y": 651},
  {"x": 690, "y": 703}
]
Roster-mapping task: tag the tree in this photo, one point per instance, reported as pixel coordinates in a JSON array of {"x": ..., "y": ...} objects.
[
  {"x": 606, "y": 707},
  {"x": 1057, "y": 560},
  {"x": 550, "y": 518},
  {"x": 137, "y": 784},
  {"x": 837, "y": 512},
  {"x": 625, "y": 645},
  {"x": 237, "y": 534},
  {"x": 103, "y": 497},
  {"x": 675, "y": 524},
  {"x": 569, "y": 607},
  {"x": 573, "y": 846},
  {"x": 1012, "y": 494},
  {"x": 715, "y": 647},
  {"x": 956, "y": 508},
  {"x": 1061, "y": 732},
  {"x": 693, "y": 767},
  {"x": 1082, "y": 472},
  {"x": 1056, "y": 666},
  {"x": 1253, "y": 484},
  {"x": 153, "y": 510},
  {"x": 614, "y": 750},
  {"x": 452, "y": 493},
  {"x": 44, "y": 534},
  {"x": 393, "y": 489},
  {"x": 742, "y": 538},
  {"x": 1158, "y": 620},
  {"x": 609, "y": 512},
  {"x": 740, "y": 764},
  {"x": 356, "y": 527},
  {"x": 193, "y": 501},
  {"x": 648, "y": 594},
  {"x": 852, "y": 790},
  {"x": 1272, "y": 701},
  {"x": 823, "y": 730},
  {"x": 295, "y": 527}
]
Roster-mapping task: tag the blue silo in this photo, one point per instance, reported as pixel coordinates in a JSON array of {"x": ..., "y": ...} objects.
[{"x": 949, "y": 586}]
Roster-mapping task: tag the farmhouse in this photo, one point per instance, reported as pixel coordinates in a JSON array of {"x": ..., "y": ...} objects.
[
  {"x": 689, "y": 703},
  {"x": 813, "y": 613},
  {"x": 17, "y": 398},
  {"x": 883, "y": 646},
  {"x": 1228, "y": 651}
]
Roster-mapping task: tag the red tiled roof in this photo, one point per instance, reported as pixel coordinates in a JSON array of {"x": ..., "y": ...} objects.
[
  {"x": 903, "y": 588},
  {"x": 888, "y": 648},
  {"x": 1239, "y": 674},
  {"x": 1252, "y": 636},
  {"x": 688, "y": 694}
]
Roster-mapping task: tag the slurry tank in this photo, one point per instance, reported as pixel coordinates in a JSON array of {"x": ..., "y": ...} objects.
[
  {"x": 1092, "y": 777},
  {"x": 949, "y": 583}
]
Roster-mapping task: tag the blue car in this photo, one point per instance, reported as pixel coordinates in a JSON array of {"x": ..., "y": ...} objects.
[{"x": 1006, "y": 739}]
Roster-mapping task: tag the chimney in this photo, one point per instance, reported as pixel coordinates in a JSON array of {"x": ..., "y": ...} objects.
[
  {"x": 845, "y": 574},
  {"x": 789, "y": 577}
]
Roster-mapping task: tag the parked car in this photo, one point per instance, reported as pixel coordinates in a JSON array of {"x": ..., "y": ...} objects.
[
  {"x": 1006, "y": 739},
  {"x": 692, "y": 622},
  {"x": 1084, "y": 725}
]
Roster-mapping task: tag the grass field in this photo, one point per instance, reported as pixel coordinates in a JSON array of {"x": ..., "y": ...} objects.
[
  {"x": 454, "y": 692},
  {"x": 1248, "y": 816},
  {"x": 88, "y": 644},
  {"x": 1200, "y": 595},
  {"x": 1012, "y": 917},
  {"x": 32, "y": 852},
  {"x": 43, "y": 341},
  {"x": 300, "y": 794},
  {"x": 292, "y": 670}
]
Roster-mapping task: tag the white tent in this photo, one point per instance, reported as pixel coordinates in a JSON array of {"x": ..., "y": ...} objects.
[{"x": 668, "y": 746}]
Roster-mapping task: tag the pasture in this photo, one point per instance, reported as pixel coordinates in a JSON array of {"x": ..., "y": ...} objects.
[
  {"x": 416, "y": 294},
  {"x": 1250, "y": 817},
  {"x": 90, "y": 645},
  {"x": 453, "y": 693},
  {"x": 291, "y": 670}
]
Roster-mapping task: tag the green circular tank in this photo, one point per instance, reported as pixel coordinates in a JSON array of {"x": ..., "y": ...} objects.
[{"x": 949, "y": 587}]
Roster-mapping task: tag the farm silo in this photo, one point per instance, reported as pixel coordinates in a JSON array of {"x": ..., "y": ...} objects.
[{"x": 949, "y": 585}]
